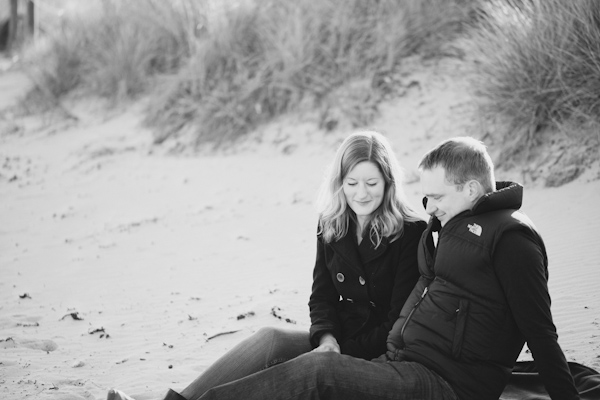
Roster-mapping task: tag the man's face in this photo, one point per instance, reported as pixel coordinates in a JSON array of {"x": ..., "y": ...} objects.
[{"x": 444, "y": 200}]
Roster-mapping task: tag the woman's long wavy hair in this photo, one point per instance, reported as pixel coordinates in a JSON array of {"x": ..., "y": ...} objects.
[{"x": 388, "y": 219}]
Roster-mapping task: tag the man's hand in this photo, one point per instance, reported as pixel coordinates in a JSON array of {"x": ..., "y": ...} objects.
[
  {"x": 328, "y": 343},
  {"x": 392, "y": 352}
]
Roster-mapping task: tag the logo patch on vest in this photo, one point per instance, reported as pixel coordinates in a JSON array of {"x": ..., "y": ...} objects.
[{"x": 475, "y": 229}]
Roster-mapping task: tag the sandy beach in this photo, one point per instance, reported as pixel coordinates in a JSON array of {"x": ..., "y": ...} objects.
[{"x": 124, "y": 265}]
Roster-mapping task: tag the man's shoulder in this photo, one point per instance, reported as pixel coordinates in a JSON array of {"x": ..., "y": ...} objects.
[{"x": 487, "y": 228}]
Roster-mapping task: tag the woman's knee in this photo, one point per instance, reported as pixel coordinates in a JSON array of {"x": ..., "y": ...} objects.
[
  {"x": 281, "y": 337},
  {"x": 268, "y": 332},
  {"x": 280, "y": 344},
  {"x": 269, "y": 335}
]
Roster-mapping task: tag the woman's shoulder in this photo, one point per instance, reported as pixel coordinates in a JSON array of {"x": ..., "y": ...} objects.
[
  {"x": 414, "y": 227},
  {"x": 411, "y": 232}
]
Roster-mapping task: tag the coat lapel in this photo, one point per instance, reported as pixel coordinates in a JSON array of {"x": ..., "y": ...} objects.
[
  {"x": 346, "y": 248},
  {"x": 356, "y": 256},
  {"x": 368, "y": 251}
]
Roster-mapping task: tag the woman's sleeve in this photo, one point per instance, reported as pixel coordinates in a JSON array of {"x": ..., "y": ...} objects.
[
  {"x": 372, "y": 344},
  {"x": 323, "y": 299}
]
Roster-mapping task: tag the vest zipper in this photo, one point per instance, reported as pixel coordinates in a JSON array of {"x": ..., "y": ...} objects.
[{"x": 411, "y": 314}]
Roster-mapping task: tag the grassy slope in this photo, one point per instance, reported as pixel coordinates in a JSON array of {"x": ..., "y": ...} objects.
[{"x": 212, "y": 77}]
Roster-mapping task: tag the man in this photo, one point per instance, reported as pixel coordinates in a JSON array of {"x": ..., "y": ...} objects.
[
  {"x": 482, "y": 294},
  {"x": 483, "y": 290}
]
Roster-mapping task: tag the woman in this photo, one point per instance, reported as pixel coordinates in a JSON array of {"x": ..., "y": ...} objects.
[{"x": 366, "y": 267}]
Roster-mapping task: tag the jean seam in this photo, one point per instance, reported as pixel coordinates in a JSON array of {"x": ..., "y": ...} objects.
[{"x": 274, "y": 362}]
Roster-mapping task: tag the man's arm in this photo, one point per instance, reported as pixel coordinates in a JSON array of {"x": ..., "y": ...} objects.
[{"x": 519, "y": 265}]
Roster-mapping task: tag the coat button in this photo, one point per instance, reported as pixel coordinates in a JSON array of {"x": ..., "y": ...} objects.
[
  {"x": 361, "y": 280},
  {"x": 340, "y": 277}
]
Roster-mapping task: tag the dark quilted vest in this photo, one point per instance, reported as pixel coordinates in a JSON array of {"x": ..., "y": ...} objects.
[{"x": 462, "y": 327}]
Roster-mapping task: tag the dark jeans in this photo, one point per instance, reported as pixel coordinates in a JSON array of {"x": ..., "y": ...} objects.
[
  {"x": 266, "y": 347},
  {"x": 333, "y": 376}
]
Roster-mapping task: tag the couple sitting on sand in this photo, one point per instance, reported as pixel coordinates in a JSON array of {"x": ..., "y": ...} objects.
[{"x": 401, "y": 308}]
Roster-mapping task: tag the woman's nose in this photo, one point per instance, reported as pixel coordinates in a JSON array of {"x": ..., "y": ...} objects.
[{"x": 362, "y": 191}]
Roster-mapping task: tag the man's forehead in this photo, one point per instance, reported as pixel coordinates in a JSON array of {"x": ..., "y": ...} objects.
[
  {"x": 433, "y": 181},
  {"x": 434, "y": 176}
]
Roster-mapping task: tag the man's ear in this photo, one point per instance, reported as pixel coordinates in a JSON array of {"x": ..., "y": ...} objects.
[{"x": 474, "y": 190}]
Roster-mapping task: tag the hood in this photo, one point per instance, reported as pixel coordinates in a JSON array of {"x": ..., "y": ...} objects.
[{"x": 508, "y": 195}]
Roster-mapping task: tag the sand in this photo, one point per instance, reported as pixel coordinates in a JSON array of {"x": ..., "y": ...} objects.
[{"x": 122, "y": 265}]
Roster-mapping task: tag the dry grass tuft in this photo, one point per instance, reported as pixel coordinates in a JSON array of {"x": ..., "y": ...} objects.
[{"x": 539, "y": 72}]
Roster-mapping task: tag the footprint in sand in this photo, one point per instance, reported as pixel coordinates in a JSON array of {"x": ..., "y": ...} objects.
[{"x": 35, "y": 344}]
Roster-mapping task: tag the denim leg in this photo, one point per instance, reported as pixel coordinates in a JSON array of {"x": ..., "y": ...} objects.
[
  {"x": 266, "y": 347},
  {"x": 320, "y": 376}
]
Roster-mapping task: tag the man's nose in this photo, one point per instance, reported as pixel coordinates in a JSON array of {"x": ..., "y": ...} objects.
[{"x": 430, "y": 208}]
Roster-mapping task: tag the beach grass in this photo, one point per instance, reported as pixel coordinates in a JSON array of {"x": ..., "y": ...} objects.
[
  {"x": 538, "y": 69},
  {"x": 224, "y": 70},
  {"x": 214, "y": 71}
]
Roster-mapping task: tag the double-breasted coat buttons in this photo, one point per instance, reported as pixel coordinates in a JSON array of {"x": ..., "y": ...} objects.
[{"x": 341, "y": 278}]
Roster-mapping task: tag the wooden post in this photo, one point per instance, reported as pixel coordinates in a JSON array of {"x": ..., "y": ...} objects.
[
  {"x": 13, "y": 24},
  {"x": 30, "y": 18}
]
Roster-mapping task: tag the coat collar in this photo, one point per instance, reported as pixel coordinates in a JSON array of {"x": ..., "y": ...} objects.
[{"x": 355, "y": 255}]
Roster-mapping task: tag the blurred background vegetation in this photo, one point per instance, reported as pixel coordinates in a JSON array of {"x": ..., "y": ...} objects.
[{"x": 221, "y": 68}]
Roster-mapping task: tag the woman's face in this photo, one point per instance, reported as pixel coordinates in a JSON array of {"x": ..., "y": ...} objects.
[{"x": 364, "y": 188}]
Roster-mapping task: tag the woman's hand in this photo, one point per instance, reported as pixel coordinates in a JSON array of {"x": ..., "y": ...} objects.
[{"x": 328, "y": 343}]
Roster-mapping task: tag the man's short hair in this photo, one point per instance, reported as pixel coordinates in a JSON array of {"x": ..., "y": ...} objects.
[{"x": 463, "y": 159}]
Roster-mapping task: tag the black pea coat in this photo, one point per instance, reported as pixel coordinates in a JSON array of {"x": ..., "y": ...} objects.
[{"x": 359, "y": 290}]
